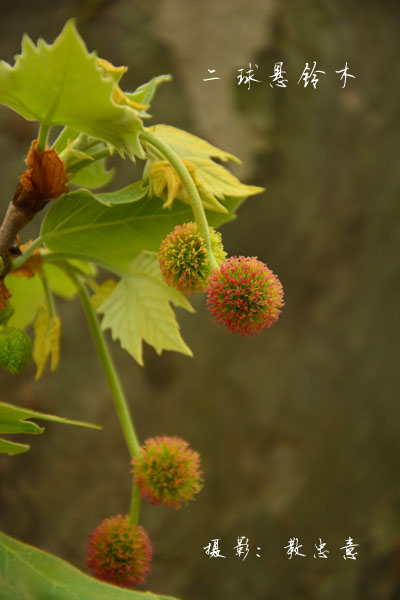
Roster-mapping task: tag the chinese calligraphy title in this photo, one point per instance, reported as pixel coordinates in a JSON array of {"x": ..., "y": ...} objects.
[{"x": 310, "y": 75}]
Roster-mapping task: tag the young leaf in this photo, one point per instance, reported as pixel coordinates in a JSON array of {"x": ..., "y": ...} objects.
[
  {"x": 13, "y": 419},
  {"x": 213, "y": 181},
  {"x": 139, "y": 310},
  {"x": 145, "y": 92},
  {"x": 27, "y": 573},
  {"x": 47, "y": 340},
  {"x": 62, "y": 84},
  {"x": 79, "y": 224}
]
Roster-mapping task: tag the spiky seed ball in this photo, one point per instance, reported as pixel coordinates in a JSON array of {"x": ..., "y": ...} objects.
[
  {"x": 119, "y": 552},
  {"x": 183, "y": 258},
  {"x": 217, "y": 246},
  {"x": 15, "y": 350},
  {"x": 244, "y": 295},
  {"x": 167, "y": 471}
]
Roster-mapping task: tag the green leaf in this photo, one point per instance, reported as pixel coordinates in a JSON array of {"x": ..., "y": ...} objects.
[
  {"x": 27, "y": 573},
  {"x": 213, "y": 181},
  {"x": 12, "y": 448},
  {"x": 131, "y": 193},
  {"x": 139, "y": 310},
  {"x": 9, "y": 426},
  {"x": 78, "y": 224},
  {"x": 62, "y": 84},
  {"x": 13, "y": 419},
  {"x": 10, "y": 411},
  {"x": 94, "y": 175},
  {"x": 28, "y": 294},
  {"x": 145, "y": 92}
]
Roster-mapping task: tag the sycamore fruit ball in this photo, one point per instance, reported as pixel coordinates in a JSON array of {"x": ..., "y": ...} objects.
[
  {"x": 15, "y": 350},
  {"x": 119, "y": 552}
]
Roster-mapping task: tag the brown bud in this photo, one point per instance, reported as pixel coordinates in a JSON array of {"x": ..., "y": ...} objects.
[{"x": 43, "y": 180}]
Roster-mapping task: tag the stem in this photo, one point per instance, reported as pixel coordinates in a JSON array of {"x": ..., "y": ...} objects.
[
  {"x": 63, "y": 256},
  {"x": 20, "y": 260},
  {"x": 117, "y": 392},
  {"x": 62, "y": 139},
  {"x": 135, "y": 505},
  {"x": 191, "y": 189},
  {"x": 47, "y": 293},
  {"x": 88, "y": 161},
  {"x": 42, "y": 137},
  {"x": 14, "y": 220}
]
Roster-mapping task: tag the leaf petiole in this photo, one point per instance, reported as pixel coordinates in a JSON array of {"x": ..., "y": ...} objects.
[
  {"x": 47, "y": 293},
  {"x": 20, "y": 260},
  {"x": 42, "y": 137},
  {"x": 65, "y": 256},
  {"x": 180, "y": 168},
  {"x": 88, "y": 161},
  {"x": 107, "y": 362}
]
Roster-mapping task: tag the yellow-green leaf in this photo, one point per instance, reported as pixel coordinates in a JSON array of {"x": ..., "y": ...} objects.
[
  {"x": 62, "y": 84},
  {"x": 102, "y": 292},
  {"x": 47, "y": 340},
  {"x": 190, "y": 146},
  {"x": 213, "y": 181},
  {"x": 139, "y": 310}
]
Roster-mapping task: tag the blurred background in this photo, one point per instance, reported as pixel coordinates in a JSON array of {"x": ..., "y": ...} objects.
[{"x": 298, "y": 427}]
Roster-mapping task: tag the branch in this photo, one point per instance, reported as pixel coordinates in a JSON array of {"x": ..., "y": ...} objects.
[{"x": 16, "y": 218}]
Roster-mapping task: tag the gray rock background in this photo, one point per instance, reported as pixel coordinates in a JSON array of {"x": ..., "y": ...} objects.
[{"x": 297, "y": 427}]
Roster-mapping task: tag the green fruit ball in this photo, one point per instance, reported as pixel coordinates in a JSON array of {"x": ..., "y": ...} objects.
[{"x": 15, "y": 350}]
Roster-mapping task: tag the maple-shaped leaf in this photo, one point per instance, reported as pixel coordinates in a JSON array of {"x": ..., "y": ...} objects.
[
  {"x": 213, "y": 181},
  {"x": 62, "y": 84},
  {"x": 102, "y": 292},
  {"x": 47, "y": 340},
  {"x": 139, "y": 310}
]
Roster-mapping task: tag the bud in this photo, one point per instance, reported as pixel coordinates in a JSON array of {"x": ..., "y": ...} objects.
[
  {"x": 15, "y": 350},
  {"x": 244, "y": 295},
  {"x": 167, "y": 471},
  {"x": 119, "y": 552},
  {"x": 184, "y": 262},
  {"x": 43, "y": 180}
]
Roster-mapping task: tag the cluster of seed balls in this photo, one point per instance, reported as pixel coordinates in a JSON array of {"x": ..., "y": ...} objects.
[
  {"x": 243, "y": 293},
  {"x": 167, "y": 472}
]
